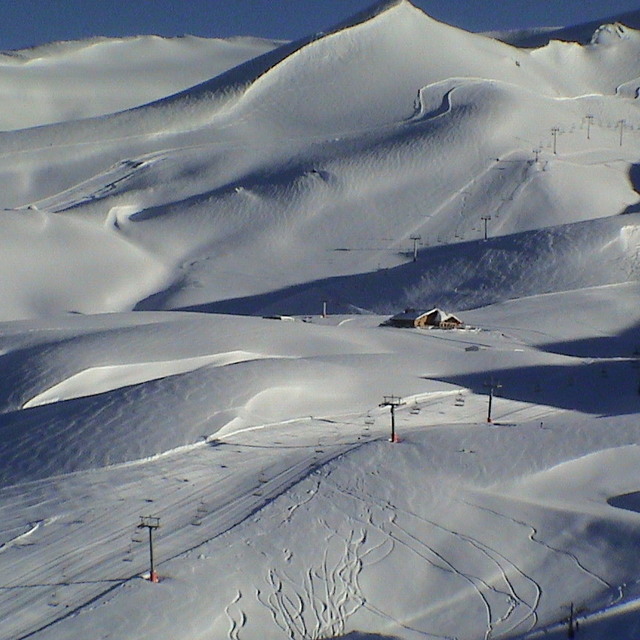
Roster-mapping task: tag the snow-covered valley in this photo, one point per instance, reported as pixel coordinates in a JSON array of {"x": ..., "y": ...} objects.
[{"x": 197, "y": 276}]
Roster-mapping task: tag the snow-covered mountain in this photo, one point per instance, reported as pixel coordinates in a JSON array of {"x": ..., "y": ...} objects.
[
  {"x": 581, "y": 33},
  {"x": 321, "y": 158},
  {"x": 175, "y": 215}
]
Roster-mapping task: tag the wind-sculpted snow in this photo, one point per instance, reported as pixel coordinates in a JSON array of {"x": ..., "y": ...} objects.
[
  {"x": 336, "y": 553},
  {"x": 86, "y": 270},
  {"x": 469, "y": 274},
  {"x": 62, "y": 394},
  {"x": 422, "y": 130},
  {"x": 582, "y": 33},
  {"x": 68, "y": 435},
  {"x": 72, "y": 80},
  {"x": 317, "y": 472},
  {"x": 230, "y": 455},
  {"x": 205, "y": 209}
]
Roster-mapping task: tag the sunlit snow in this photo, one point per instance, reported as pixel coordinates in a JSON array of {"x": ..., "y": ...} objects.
[{"x": 201, "y": 243}]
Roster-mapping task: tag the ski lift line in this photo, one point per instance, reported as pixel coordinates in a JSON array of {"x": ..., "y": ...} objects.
[
  {"x": 428, "y": 396},
  {"x": 349, "y": 417},
  {"x": 108, "y": 541},
  {"x": 463, "y": 191},
  {"x": 95, "y": 588},
  {"x": 274, "y": 486},
  {"x": 80, "y": 568},
  {"x": 244, "y": 502}
]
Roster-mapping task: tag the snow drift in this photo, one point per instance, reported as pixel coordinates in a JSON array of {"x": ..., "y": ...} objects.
[{"x": 390, "y": 161}]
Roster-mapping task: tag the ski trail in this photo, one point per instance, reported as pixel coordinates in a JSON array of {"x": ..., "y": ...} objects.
[
  {"x": 497, "y": 559},
  {"x": 294, "y": 507},
  {"x": 533, "y": 533},
  {"x": 329, "y": 593},
  {"x": 375, "y": 554},
  {"x": 517, "y": 599},
  {"x": 449, "y": 567},
  {"x": 23, "y": 536},
  {"x": 440, "y": 563},
  {"x": 494, "y": 557},
  {"x": 345, "y": 597},
  {"x": 286, "y": 607},
  {"x": 320, "y": 608},
  {"x": 113, "y": 543},
  {"x": 237, "y": 617}
]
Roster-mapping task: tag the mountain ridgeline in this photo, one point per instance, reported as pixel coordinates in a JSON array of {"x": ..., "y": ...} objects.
[{"x": 323, "y": 163}]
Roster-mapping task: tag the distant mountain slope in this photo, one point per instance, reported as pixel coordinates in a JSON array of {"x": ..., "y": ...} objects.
[
  {"x": 72, "y": 80},
  {"x": 462, "y": 276},
  {"x": 582, "y": 33},
  {"x": 325, "y": 157}
]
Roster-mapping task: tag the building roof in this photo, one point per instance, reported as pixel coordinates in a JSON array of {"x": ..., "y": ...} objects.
[{"x": 413, "y": 315}]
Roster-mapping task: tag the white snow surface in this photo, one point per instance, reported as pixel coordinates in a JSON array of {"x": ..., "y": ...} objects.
[
  {"x": 166, "y": 203},
  {"x": 72, "y": 80}
]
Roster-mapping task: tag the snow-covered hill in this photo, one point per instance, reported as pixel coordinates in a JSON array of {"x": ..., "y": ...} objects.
[
  {"x": 72, "y": 80},
  {"x": 582, "y": 33},
  {"x": 167, "y": 248},
  {"x": 322, "y": 158}
]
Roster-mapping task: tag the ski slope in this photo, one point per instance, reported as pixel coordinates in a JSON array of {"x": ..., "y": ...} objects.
[{"x": 168, "y": 248}]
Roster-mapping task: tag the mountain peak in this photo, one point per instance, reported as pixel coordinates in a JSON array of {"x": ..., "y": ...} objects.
[
  {"x": 372, "y": 12},
  {"x": 609, "y": 33}
]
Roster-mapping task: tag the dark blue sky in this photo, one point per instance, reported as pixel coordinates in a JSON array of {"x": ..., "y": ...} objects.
[{"x": 25, "y": 23}]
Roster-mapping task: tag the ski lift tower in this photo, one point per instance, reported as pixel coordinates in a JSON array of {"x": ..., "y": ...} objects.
[
  {"x": 492, "y": 387},
  {"x": 151, "y": 523},
  {"x": 392, "y": 402},
  {"x": 485, "y": 219},
  {"x": 415, "y": 239}
]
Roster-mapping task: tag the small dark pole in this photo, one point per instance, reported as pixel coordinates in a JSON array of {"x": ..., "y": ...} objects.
[
  {"x": 492, "y": 385},
  {"x": 415, "y": 246},
  {"x": 621, "y": 123},
  {"x": 151, "y": 523},
  {"x": 589, "y": 121},
  {"x": 573, "y": 625},
  {"x": 392, "y": 402},
  {"x": 485, "y": 219},
  {"x": 555, "y": 131}
]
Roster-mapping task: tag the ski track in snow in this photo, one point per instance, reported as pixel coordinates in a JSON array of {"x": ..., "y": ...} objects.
[
  {"x": 534, "y": 537},
  {"x": 508, "y": 572},
  {"x": 94, "y": 569},
  {"x": 19, "y": 539},
  {"x": 330, "y": 592},
  {"x": 237, "y": 618},
  {"x": 183, "y": 506}
]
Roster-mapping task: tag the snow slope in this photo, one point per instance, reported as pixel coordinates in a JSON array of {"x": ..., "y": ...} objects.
[
  {"x": 582, "y": 33},
  {"x": 165, "y": 259},
  {"x": 72, "y": 80},
  {"x": 302, "y": 413},
  {"x": 394, "y": 148}
]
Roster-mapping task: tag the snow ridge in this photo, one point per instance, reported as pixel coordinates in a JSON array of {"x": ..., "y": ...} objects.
[{"x": 193, "y": 328}]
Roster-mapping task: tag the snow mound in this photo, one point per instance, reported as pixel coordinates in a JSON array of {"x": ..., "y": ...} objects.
[{"x": 107, "y": 378}]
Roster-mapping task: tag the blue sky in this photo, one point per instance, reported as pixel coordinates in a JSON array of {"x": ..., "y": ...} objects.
[{"x": 25, "y": 23}]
